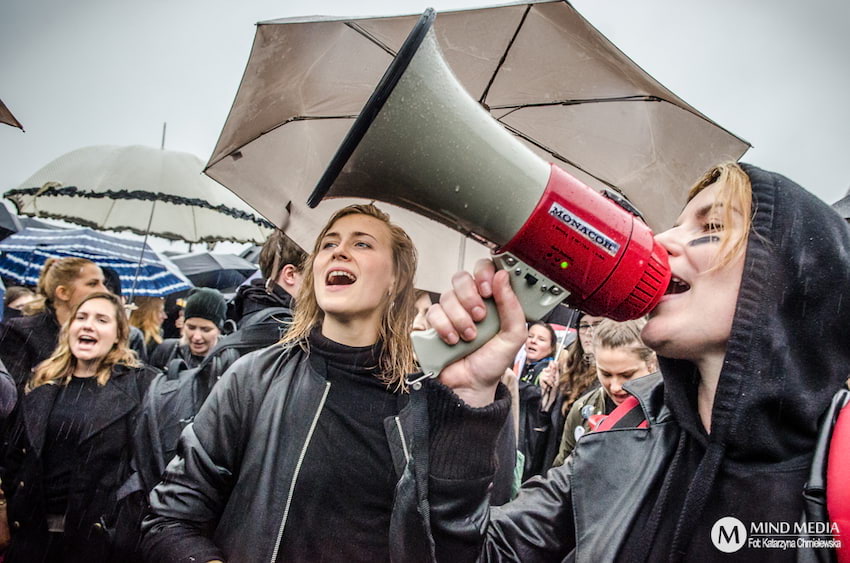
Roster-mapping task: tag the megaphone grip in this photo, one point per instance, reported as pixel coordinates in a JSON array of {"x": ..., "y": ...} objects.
[{"x": 537, "y": 294}]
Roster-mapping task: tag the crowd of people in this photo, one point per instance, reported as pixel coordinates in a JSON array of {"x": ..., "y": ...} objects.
[{"x": 282, "y": 426}]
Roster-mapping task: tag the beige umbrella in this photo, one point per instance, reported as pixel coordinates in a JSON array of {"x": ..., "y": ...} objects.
[
  {"x": 543, "y": 72},
  {"x": 144, "y": 190}
]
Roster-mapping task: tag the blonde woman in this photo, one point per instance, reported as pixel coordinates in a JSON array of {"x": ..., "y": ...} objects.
[
  {"x": 26, "y": 341},
  {"x": 70, "y": 444},
  {"x": 148, "y": 317},
  {"x": 297, "y": 452}
]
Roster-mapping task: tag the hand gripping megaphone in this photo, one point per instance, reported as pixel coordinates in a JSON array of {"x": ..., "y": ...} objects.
[{"x": 422, "y": 143}]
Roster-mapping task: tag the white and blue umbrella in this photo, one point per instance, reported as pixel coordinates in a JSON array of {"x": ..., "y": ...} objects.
[{"x": 142, "y": 270}]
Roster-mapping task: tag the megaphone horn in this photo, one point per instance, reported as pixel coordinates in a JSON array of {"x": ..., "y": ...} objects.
[{"x": 422, "y": 143}]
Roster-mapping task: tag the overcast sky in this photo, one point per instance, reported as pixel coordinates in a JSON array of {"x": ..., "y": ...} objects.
[{"x": 91, "y": 72}]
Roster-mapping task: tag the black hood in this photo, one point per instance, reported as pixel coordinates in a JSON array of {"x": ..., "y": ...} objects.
[
  {"x": 253, "y": 297},
  {"x": 789, "y": 351}
]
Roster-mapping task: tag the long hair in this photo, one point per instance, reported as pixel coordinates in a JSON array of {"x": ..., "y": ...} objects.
[
  {"x": 735, "y": 195},
  {"x": 397, "y": 359},
  {"x": 577, "y": 370},
  {"x": 59, "y": 367},
  {"x": 146, "y": 317},
  {"x": 55, "y": 272}
]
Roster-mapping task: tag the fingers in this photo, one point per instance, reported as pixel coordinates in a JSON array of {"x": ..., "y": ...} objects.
[
  {"x": 511, "y": 315},
  {"x": 485, "y": 269},
  {"x": 458, "y": 311}
]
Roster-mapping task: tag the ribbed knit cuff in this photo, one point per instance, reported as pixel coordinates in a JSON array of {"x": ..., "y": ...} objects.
[{"x": 463, "y": 438}]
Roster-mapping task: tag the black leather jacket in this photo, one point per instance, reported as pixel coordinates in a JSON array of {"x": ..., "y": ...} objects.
[
  {"x": 562, "y": 515},
  {"x": 226, "y": 493}
]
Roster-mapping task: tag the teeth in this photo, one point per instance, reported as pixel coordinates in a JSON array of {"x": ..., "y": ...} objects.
[{"x": 340, "y": 273}]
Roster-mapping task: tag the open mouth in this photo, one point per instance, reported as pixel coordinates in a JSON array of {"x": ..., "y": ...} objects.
[
  {"x": 340, "y": 277},
  {"x": 677, "y": 286}
]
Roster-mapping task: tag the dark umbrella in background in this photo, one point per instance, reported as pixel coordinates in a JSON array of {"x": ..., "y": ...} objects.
[
  {"x": 9, "y": 222},
  {"x": 7, "y": 117},
  {"x": 224, "y": 272}
]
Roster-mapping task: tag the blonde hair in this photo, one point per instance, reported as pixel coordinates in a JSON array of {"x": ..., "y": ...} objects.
[
  {"x": 55, "y": 272},
  {"x": 59, "y": 367},
  {"x": 735, "y": 194},
  {"x": 146, "y": 317},
  {"x": 397, "y": 359}
]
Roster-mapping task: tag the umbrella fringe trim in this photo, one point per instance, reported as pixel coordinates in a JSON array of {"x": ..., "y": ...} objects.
[{"x": 139, "y": 195}]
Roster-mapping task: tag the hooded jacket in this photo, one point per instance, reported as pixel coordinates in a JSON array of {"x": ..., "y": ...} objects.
[
  {"x": 27, "y": 341},
  {"x": 253, "y": 298},
  {"x": 655, "y": 493}
]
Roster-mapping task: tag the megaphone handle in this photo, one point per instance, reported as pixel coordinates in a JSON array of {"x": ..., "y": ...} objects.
[{"x": 537, "y": 294}]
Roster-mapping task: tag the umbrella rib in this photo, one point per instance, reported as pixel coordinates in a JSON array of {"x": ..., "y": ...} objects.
[
  {"x": 370, "y": 37},
  {"x": 577, "y": 102},
  {"x": 504, "y": 55}
]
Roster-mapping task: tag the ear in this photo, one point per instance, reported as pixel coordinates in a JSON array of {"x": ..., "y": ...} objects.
[
  {"x": 288, "y": 276},
  {"x": 63, "y": 293}
]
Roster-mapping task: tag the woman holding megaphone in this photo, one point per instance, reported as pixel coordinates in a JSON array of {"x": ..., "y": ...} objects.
[{"x": 751, "y": 342}]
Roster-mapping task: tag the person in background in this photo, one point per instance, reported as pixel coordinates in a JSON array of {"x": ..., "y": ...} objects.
[
  {"x": 148, "y": 316},
  {"x": 281, "y": 265},
  {"x": 112, "y": 281},
  {"x": 577, "y": 366},
  {"x": 751, "y": 337},
  {"x": 204, "y": 318},
  {"x": 421, "y": 305},
  {"x": 621, "y": 356},
  {"x": 68, "y": 461},
  {"x": 533, "y": 414},
  {"x": 14, "y": 300},
  {"x": 28, "y": 340}
]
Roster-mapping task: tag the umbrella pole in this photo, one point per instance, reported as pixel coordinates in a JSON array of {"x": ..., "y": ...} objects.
[{"x": 142, "y": 255}]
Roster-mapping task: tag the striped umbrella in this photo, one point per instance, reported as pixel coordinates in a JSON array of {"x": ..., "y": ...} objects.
[{"x": 142, "y": 270}]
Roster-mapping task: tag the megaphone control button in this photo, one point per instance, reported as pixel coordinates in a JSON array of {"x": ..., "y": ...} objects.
[{"x": 530, "y": 279}]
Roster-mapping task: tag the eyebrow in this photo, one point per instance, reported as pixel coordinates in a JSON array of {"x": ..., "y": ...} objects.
[{"x": 354, "y": 234}]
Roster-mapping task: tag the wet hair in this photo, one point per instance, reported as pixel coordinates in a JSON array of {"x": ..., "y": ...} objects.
[
  {"x": 59, "y": 367},
  {"x": 146, "y": 317},
  {"x": 553, "y": 340},
  {"x": 278, "y": 251},
  {"x": 55, "y": 272},
  {"x": 397, "y": 359},
  {"x": 735, "y": 195},
  {"x": 623, "y": 335},
  {"x": 15, "y": 292}
]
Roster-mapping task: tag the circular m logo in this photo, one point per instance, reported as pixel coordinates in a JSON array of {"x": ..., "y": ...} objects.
[{"x": 728, "y": 534}]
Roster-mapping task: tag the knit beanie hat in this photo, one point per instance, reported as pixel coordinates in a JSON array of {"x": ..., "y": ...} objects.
[{"x": 206, "y": 303}]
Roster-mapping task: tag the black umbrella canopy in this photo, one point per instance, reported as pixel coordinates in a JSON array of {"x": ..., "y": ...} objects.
[
  {"x": 9, "y": 222},
  {"x": 224, "y": 272}
]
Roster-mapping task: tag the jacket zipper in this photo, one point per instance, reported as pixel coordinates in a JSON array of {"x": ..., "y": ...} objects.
[
  {"x": 297, "y": 470},
  {"x": 403, "y": 441}
]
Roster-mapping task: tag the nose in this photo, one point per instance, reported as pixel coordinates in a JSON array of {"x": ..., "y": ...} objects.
[
  {"x": 670, "y": 240},
  {"x": 616, "y": 385},
  {"x": 340, "y": 252}
]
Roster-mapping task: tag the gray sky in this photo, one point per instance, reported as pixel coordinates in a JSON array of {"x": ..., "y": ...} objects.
[{"x": 90, "y": 72}]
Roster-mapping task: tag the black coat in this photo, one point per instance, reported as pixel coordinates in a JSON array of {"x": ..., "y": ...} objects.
[
  {"x": 27, "y": 341},
  {"x": 101, "y": 523}
]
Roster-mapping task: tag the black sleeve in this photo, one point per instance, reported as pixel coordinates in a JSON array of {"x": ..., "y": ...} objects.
[
  {"x": 536, "y": 526},
  {"x": 186, "y": 505}
]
